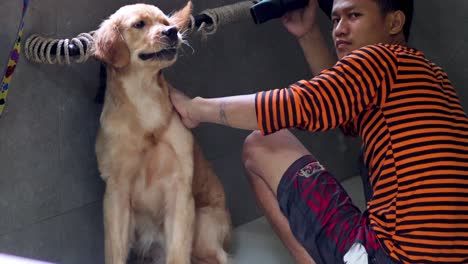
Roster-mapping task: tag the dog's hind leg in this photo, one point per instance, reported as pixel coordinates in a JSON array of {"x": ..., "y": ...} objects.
[{"x": 212, "y": 236}]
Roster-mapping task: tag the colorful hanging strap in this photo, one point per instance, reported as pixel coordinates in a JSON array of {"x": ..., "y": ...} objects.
[{"x": 12, "y": 61}]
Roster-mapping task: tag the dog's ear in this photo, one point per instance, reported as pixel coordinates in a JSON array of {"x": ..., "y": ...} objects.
[
  {"x": 181, "y": 18},
  {"x": 109, "y": 45}
]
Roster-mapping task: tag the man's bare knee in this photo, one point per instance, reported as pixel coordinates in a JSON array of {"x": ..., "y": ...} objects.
[
  {"x": 252, "y": 147},
  {"x": 266, "y": 156},
  {"x": 280, "y": 140}
]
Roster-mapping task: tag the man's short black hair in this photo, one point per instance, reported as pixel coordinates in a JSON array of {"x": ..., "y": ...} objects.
[{"x": 406, "y": 6}]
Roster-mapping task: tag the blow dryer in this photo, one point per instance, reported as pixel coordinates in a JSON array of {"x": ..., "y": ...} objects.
[{"x": 270, "y": 9}]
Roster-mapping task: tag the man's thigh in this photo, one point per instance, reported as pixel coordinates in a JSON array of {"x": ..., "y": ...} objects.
[
  {"x": 270, "y": 156},
  {"x": 319, "y": 211}
]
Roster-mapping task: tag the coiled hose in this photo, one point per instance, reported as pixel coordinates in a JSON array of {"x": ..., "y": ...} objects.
[{"x": 44, "y": 50}]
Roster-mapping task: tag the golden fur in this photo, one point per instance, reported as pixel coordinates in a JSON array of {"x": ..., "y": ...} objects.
[{"x": 159, "y": 187}]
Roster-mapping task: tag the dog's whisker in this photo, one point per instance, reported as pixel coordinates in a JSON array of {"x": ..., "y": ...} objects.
[
  {"x": 185, "y": 42},
  {"x": 184, "y": 33},
  {"x": 157, "y": 42}
]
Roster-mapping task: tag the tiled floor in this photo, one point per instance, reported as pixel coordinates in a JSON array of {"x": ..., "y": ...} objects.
[
  {"x": 253, "y": 242},
  {"x": 8, "y": 259}
]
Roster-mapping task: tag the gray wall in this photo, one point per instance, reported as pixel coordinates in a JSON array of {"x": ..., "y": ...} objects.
[{"x": 50, "y": 190}]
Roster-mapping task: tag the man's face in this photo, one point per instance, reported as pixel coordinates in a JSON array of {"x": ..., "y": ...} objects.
[{"x": 357, "y": 23}]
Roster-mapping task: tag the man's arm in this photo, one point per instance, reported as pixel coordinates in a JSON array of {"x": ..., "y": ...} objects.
[
  {"x": 232, "y": 111},
  {"x": 327, "y": 101},
  {"x": 316, "y": 52},
  {"x": 332, "y": 98},
  {"x": 303, "y": 25}
]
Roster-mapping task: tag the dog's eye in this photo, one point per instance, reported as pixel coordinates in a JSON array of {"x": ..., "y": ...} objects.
[{"x": 139, "y": 24}]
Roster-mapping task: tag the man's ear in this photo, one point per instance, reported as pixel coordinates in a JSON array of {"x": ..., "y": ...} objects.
[
  {"x": 181, "y": 18},
  {"x": 109, "y": 45},
  {"x": 397, "y": 22}
]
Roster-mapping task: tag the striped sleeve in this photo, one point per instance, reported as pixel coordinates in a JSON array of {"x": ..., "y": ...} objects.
[{"x": 332, "y": 98}]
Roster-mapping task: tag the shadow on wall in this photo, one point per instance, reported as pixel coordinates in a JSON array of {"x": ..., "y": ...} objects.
[{"x": 439, "y": 30}]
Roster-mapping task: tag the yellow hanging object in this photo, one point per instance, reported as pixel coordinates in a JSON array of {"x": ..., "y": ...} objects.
[{"x": 12, "y": 61}]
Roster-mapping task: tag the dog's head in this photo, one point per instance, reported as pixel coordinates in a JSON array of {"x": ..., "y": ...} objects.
[{"x": 141, "y": 35}]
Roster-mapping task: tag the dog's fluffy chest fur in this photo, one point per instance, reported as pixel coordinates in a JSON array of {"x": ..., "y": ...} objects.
[
  {"x": 149, "y": 101},
  {"x": 137, "y": 103},
  {"x": 137, "y": 109}
]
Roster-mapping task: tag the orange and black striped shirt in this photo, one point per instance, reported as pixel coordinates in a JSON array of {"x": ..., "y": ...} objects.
[{"x": 415, "y": 135}]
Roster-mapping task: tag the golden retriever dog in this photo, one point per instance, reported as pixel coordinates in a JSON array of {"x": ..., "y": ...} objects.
[{"x": 160, "y": 190}]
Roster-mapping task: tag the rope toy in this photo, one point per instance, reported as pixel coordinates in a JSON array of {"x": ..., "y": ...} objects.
[{"x": 44, "y": 50}]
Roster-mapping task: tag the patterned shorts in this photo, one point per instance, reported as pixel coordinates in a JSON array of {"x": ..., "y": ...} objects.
[{"x": 322, "y": 216}]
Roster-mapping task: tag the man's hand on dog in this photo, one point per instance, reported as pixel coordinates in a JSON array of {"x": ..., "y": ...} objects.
[{"x": 183, "y": 106}]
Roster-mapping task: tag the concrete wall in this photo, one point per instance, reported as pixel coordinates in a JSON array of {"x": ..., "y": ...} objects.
[{"x": 50, "y": 190}]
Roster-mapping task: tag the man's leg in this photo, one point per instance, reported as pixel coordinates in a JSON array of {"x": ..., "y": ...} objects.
[{"x": 266, "y": 159}]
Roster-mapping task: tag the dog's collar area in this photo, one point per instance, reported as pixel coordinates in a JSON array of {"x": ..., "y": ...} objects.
[{"x": 165, "y": 54}]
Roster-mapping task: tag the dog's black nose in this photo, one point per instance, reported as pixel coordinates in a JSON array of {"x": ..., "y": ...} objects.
[{"x": 171, "y": 33}]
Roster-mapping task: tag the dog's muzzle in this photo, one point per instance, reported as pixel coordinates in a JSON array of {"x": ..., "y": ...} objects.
[
  {"x": 171, "y": 37},
  {"x": 165, "y": 54}
]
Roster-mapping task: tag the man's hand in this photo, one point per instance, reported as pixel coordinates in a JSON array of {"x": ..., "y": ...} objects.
[
  {"x": 233, "y": 111},
  {"x": 302, "y": 21},
  {"x": 184, "y": 106}
]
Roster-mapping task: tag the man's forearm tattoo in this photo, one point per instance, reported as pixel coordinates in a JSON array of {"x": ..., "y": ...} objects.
[{"x": 222, "y": 114}]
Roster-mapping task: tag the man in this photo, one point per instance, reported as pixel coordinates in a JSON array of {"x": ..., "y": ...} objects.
[{"x": 414, "y": 133}]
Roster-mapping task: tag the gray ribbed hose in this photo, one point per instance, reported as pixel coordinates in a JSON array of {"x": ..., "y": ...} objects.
[{"x": 39, "y": 49}]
